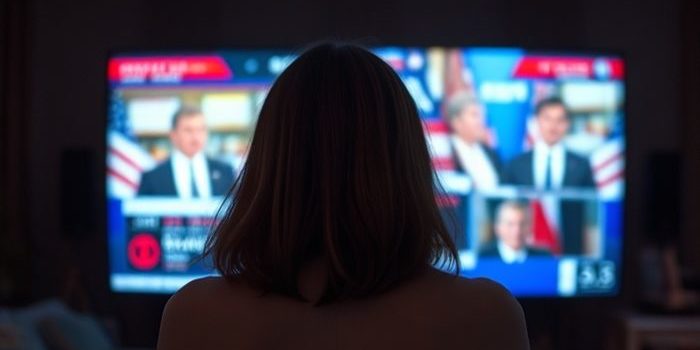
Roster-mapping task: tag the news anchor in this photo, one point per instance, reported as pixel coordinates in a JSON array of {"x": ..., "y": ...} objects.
[
  {"x": 471, "y": 155},
  {"x": 549, "y": 166},
  {"x": 187, "y": 173},
  {"x": 512, "y": 230}
]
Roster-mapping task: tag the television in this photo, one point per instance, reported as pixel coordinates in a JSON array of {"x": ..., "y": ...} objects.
[{"x": 528, "y": 150}]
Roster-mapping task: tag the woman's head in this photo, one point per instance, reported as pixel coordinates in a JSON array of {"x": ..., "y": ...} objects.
[{"x": 338, "y": 169}]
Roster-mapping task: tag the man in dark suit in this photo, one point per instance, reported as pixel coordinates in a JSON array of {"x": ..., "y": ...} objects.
[
  {"x": 549, "y": 166},
  {"x": 187, "y": 173},
  {"x": 512, "y": 229}
]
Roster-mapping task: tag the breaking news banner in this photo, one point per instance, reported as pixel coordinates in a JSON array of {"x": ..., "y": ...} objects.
[{"x": 166, "y": 243}]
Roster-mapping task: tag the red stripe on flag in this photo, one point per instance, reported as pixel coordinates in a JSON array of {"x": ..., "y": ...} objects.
[
  {"x": 443, "y": 163},
  {"x": 126, "y": 159},
  {"x": 446, "y": 201},
  {"x": 610, "y": 179},
  {"x": 544, "y": 233},
  {"x": 122, "y": 178},
  {"x": 435, "y": 126},
  {"x": 608, "y": 161},
  {"x": 529, "y": 139}
]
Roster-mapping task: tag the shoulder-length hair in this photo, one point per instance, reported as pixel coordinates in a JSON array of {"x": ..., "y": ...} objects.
[{"x": 338, "y": 170}]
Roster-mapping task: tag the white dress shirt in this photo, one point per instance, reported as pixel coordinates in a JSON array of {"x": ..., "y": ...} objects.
[
  {"x": 556, "y": 166},
  {"x": 182, "y": 171},
  {"x": 509, "y": 255},
  {"x": 476, "y": 162}
]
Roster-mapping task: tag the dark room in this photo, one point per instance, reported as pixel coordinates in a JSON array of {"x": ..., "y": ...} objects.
[{"x": 477, "y": 174}]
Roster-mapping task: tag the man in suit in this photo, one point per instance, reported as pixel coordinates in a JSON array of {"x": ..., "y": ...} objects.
[
  {"x": 512, "y": 229},
  {"x": 549, "y": 166},
  {"x": 472, "y": 156},
  {"x": 187, "y": 173}
]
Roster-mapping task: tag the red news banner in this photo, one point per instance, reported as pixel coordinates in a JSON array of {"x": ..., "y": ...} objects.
[{"x": 167, "y": 244}]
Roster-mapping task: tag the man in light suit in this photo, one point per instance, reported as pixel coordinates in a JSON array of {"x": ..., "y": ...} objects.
[
  {"x": 471, "y": 155},
  {"x": 512, "y": 229},
  {"x": 549, "y": 166},
  {"x": 187, "y": 173}
]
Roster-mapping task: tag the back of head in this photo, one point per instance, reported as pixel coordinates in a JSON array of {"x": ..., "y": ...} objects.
[{"x": 338, "y": 170}]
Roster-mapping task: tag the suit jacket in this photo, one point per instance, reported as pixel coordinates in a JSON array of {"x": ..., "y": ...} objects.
[
  {"x": 460, "y": 214},
  {"x": 577, "y": 173},
  {"x": 490, "y": 154},
  {"x": 491, "y": 250},
  {"x": 160, "y": 181}
]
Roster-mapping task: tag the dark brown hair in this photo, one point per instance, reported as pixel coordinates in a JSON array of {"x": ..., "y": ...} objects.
[
  {"x": 551, "y": 101},
  {"x": 338, "y": 169},
  {"x": 184, "y": 111}
]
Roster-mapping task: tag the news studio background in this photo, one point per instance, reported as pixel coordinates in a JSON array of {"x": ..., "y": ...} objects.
[{"x": 573, "y": 233}]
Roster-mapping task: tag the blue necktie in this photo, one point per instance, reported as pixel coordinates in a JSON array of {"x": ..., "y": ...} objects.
[
  {"x": 548, "y": 172},
  {"x": 195, "y": 194}
]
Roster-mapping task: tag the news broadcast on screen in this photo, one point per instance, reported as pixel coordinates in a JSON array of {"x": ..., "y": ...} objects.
[{"x": 528, "y": 150}]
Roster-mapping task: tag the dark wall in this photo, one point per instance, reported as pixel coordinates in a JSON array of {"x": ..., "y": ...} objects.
[
  {"x": 69, "y": 43},
  {"x": 690, "y": 208},
  {"x": 15, "y": 271}
]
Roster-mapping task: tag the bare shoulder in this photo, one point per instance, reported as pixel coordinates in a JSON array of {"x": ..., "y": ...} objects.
[
  {"x": 202, "y": 286},
  {"x": 468, "y": 288},
  {"x": 484, "y": 308},
  {"x": 483, "y": 291},
  {"x": 191, "y": 310},
  {"x": 195, "y": 295}
]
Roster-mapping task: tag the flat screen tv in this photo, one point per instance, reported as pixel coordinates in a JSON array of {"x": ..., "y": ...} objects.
[{"x": 528, "y": 147}]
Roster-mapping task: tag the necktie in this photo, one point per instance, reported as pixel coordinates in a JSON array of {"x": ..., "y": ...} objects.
[
  {"x": 548, "y": 172},
  {"x": 195, "y": 193}
]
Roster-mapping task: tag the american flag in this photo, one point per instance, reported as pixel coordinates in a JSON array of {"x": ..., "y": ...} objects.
[
  {"x": 608, "y": 165},
  {"x": 126, "y": 160},
  {"x": 457, "y": 79},
  {"x": 545, "y": 223},
  {"x": 607, "y": 162}
]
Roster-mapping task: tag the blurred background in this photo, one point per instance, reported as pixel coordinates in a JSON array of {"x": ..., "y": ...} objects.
[{"x": 53, "y": 103}]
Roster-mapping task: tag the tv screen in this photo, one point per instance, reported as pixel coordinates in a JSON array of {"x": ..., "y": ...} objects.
[{"x": 528, "y": 148}]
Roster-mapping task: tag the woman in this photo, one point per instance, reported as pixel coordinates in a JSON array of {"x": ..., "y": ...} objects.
[{"x": 331, "y": 233}]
